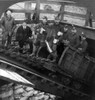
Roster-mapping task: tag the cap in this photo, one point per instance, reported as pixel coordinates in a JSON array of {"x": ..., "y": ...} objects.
[
  {"x": 66, "y": 26},
  {"x": 83, "y": 35},
  {"x": 73, "y": 28},
  {"x": 45, "y": 17},
  {"x": 57, "y": 18}
]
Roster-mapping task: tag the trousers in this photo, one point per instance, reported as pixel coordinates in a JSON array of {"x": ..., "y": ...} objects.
[
  {"x": 6, "y": 39},
  {"x": 22, "y": 43}
]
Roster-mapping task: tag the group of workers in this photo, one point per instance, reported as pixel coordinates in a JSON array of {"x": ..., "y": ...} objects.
[{"x": 55, "y": 37}]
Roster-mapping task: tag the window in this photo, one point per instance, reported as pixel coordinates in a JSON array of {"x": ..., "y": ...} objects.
[
  {"x": 18, "y": 16},
  {"x": 33, "y": 6},
  {"x": 49, "y": 16},
  {"x": 50, "y": 7},
  {"x": 74, "y": 20},
  {"x": 75, "y": 15},
  {"x": 75, "y": 9},
  {"x": 18, "y": 6},
  {"x": 49, "y": 10}
]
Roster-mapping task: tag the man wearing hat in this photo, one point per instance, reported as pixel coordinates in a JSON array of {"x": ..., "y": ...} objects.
[
  {"x": 57, "y": 26},
  {"x": 40, "y": 40},
  {"x": 41, "y": 32},
  {"x": 8, "y": 26},
  {"x": 73, "y": 38},
  {"x": 64, "y": 34},
  {"x": 83, "y": 43},
  {"x": 56, "y": 33},
  {"x": 44, "y": 23},
  {"x": 62, "y": 40},
  {"x": 44, "y": 20}
]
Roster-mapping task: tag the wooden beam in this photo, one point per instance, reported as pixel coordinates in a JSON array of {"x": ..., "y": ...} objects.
[
  {"x": 27, "y": 5},
  {"x": 38, "y": 6}
]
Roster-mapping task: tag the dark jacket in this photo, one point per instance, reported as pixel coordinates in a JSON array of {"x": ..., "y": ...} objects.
[
  {"x": 63, "y": 37},
  {"x": 73, "y": 39},
  {"x": 83, "y": 44},
  {"x": 42, "y": 37},
  {"x": 53, "y": 30},
  {"x": 7, "y": 24},
  {"x": 57, "y": 27},
  {"x": 23, "y": 34},
  {"x": 45, "y": 26}
]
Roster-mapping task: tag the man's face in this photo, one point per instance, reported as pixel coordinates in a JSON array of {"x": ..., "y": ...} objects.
[
  {"x": 44, "y": 20},
  {"x": 57, "y": 20},
  {"x": 83, "y": 38},
  {"x": 65, "y": 29},
  {"x": 8, "y": 13},
  {"x": 73, "y": 31},
  {"x": 24, "y": 24},
  {"x": 33, "y": 27}
]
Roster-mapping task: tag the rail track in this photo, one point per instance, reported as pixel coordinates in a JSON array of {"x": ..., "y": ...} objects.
[{"x": 44, "y": 74}]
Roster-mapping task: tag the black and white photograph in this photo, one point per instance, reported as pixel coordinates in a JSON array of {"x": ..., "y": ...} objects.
[{"x": 47, "y": 49}]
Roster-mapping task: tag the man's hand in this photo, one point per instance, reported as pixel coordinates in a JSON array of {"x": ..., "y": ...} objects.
[
  {"x": 41, "y": 30},
  {"x": 80, "y": 49},
  {"x": 55, "y": 41},
  {"x": 59, "y": 33}
]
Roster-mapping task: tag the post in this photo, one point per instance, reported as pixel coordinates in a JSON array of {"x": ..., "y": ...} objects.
[{"x": 27, "y": 7}]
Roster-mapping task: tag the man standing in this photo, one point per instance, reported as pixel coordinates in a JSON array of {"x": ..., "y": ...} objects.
[
  {"x": 54, "y": 38},
  {"x": 40, "y": 40},
  {"x": 8, "y": 26},
  {"x": 23, "y": 36},
  {"x": 44, "y": 23},
  {"x": 41, "y": 34},
  {"x": 62, "y": 37}
]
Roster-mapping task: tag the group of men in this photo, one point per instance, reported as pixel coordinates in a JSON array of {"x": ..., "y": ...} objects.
[{"x": 55, "y": 37}]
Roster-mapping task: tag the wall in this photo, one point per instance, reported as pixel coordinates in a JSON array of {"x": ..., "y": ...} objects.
[{"x": 90, "y": 4}]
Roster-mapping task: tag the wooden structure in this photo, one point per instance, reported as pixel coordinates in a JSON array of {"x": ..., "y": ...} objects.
[
  {"x": 51, "y": 78},
  {"x": 79, "y": 66}
]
